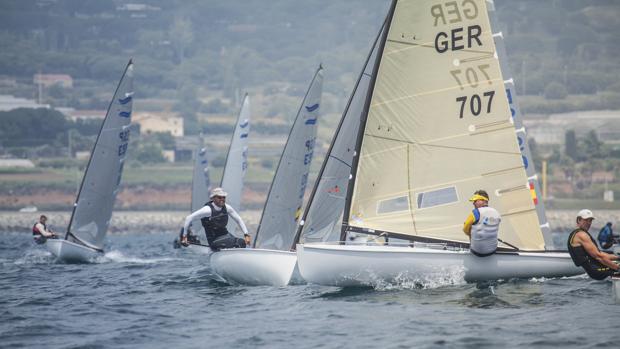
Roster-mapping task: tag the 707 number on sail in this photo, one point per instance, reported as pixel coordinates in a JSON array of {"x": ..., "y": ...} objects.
[{"x": 475, "y": 103}]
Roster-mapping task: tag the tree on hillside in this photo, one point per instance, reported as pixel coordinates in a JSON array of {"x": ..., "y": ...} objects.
[{"x": 570, "y": 145}]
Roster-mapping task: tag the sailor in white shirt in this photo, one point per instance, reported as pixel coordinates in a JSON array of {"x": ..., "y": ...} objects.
[{"x": 214, "y": 218}]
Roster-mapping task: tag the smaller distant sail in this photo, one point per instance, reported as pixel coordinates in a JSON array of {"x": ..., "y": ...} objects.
[
  {"x": 200, "y": 183},
  {"x": 93, "y": 208},
  {"x": 284, "y": 203},
  {"x": 237, "y": 160}
]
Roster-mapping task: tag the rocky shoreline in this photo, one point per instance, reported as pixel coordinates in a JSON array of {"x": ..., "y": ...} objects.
[{"x": 124, "y": 222}]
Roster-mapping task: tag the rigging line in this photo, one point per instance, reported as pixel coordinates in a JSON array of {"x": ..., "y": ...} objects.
[
  {"x": 340, "y": 160},
  {"x": 374, "y": 105},
  {"x": 508, "y": 244},
  {"x": 443, "y": 146}
]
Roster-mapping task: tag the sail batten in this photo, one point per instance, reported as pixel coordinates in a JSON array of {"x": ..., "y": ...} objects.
[{"x": 439, "y": 118}]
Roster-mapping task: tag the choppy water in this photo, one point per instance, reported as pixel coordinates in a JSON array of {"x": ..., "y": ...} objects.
[{"x": 144, "y": 294}]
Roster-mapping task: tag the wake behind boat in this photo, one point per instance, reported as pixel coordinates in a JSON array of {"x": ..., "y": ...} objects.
[
  {"x": 270, "y": 261},
  {"x": 95, "y": 200},
  {"x": 439, "y": 122}
]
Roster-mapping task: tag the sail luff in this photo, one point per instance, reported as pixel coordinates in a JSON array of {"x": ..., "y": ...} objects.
[
  {"x": 288, "y": 186},
  {"x": 517, "y": 117},
  {"x": 364, "y": 119},
  {"x": 95, "y": 231}
]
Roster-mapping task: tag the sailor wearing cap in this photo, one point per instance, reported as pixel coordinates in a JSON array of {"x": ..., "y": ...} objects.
[
  {"x": 482, "y": 225},
  {"x": 585, "y": 253},
  {"x": 214, "y": 218}
]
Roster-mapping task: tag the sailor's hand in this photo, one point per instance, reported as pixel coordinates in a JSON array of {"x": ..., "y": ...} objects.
[
  {"x": 184, "y": 241},
  {"x": 247, "y": 239}
]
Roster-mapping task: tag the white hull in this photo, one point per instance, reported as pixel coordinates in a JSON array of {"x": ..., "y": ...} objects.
[
  {"x": 68, "y": 251},
  {"x": 347, "y": 265},
  {"x": 256, "y": 267}
]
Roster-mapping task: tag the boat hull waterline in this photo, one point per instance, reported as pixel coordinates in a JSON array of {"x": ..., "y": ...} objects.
[
  {"x": 68, "y": 251},
  {"x": 346, "y": 265},
  {"x": 256, "y": 267}
]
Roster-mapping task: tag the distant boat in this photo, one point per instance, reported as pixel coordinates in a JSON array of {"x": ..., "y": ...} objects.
[
  {"x": 437, "y": 125},
  {"x": 92, "y": 210},
  {"x": 270, "y": 261},
  {"x": 232, "y": 178},
  {"x": 28, "y": 209}
]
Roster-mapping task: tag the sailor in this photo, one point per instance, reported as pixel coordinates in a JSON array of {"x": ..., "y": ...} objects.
[
  {"x": 606, "y": 237},
  {"x": 214, "y": 217},
  {"x": 584, "y": 252},
  {"x": 40, "y": 233},
  {"x": 482, "y": 225}
]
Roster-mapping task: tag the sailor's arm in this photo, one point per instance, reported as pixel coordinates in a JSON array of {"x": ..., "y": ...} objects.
[
  {"x": 603, "y": 258},
  {"x": 468, "y": 223},
  {"x": 201, "y": 213},
  {"x": 43, "y": 231},
  {"x": 235, "y": 216}
]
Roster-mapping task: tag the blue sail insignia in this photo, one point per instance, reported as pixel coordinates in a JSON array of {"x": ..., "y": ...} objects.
[
  {"x": 244, "y": 124},
  {"x": 311, "y": 121},
  {"x": 124, "y": 114},
  {"x": 125, "y": 100},
  {"x": 244, "y": 135},
  {"x": 312, "y": 107}
]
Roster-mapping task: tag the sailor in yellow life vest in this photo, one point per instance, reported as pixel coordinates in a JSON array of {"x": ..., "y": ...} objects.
[
  {"x": 584, "y": 252},
  {"x": 482, "y": 225}
]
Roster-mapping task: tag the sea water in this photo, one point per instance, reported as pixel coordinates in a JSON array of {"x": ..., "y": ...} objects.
[{"x": 144, "y": 294}]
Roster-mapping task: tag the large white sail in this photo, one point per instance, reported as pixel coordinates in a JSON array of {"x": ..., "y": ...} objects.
[
  {"x": 438, "y": 127},
  {"x": 528, "y": 161},
  {"x": 93, "y": 207},
  {"x": 237, "y": 160},
  {"x": 200, "y": 183},
  {"x": 323, "y": 217},
  {"x": 283, "y": 207}
]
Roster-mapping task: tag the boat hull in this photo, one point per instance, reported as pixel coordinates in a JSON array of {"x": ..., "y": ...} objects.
[
  {"x": 346, "y": 265},
  {"x": 71, "y": 252},
  {"x": 256, "y": 267}
]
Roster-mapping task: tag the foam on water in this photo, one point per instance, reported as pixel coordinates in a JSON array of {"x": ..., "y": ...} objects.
[{"x": 116, "y": 256}]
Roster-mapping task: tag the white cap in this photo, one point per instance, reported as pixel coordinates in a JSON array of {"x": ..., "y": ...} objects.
[
  {"x": 585, "y": 214},
  {"x": 218, "y": 192}
]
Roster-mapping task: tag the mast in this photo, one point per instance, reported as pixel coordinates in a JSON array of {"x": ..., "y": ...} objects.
[
  {"x": 294, "y": 131},
  {"x": 107, "y": 117},
  {"x": 362, "y": 129}
]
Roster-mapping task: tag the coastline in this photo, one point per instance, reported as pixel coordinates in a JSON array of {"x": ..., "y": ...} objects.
[{"x": 127, "y": 222}]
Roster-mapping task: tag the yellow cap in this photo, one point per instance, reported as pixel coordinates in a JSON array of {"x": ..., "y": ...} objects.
[{"x": 478, "y": 197}]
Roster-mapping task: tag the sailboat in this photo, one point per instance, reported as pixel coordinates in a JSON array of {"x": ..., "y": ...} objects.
[
  {"x": 92, "y": 210},
  {"x": 270, "y": 261},
  {"x": 436, "y": 126},
  {"x": 232, "y": 177}
]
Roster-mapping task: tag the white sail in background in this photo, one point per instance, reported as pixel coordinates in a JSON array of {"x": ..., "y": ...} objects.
[
  {"x": 283, "y": 207},
  {"x": 237, "y": 160},
  {"x": 200, "y": 184},
  {"x": 528, "y": 161},
  {"x": 439, "y": 128},
  {"x": 93, "y": 207},
  {"x": 323, "y": 217}
]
